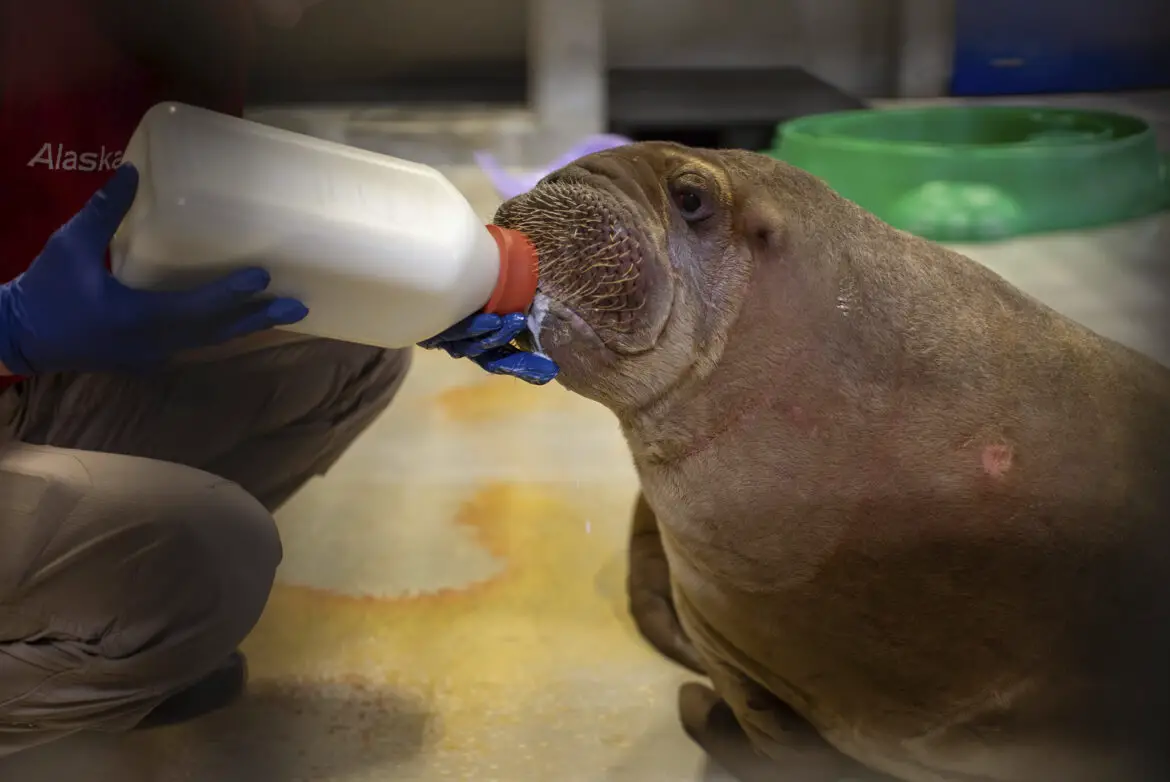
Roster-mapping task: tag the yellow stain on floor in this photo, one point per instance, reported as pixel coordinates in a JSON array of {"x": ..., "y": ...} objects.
[
  {"x": 497, "y": 397},
  {"x": 531, "y": 671},
  {"x": 500, "y": 664},
  {"x": 547, "y": 588}
]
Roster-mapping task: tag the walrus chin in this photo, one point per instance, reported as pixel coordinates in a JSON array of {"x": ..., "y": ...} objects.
[{"x": 606, "y": 285}]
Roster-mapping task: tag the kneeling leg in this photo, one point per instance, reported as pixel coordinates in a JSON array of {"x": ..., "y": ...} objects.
[{"x": 122, "y": 582}]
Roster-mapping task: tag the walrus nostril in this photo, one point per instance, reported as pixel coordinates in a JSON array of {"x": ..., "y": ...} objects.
[{"x": 591, "y": 259}]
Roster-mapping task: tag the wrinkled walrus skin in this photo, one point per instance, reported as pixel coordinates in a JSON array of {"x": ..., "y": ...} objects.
[{"x": 899, "y": 512}]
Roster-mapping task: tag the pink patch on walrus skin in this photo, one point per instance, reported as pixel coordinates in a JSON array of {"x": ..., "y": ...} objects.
[{"x": 997, "y": 460}]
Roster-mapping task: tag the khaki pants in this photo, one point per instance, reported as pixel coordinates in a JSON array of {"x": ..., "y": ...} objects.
[{"x": 137, "y": 546}]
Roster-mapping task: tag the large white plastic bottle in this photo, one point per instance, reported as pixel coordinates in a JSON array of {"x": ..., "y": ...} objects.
[{"x": 382, "y": 251}]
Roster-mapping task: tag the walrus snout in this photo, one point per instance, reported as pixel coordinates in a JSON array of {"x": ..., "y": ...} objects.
[{"x": 601, "y": 271}]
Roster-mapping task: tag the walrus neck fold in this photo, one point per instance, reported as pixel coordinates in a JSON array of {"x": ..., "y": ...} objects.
[{"x": 655, "y": 427}]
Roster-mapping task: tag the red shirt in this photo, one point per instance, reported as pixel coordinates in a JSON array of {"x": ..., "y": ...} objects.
[{"x": 70, "y": 97}]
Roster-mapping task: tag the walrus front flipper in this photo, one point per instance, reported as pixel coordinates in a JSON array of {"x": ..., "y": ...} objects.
[
  {"x": 710, "y": 722},
  {"x": 648, "y": 588}
]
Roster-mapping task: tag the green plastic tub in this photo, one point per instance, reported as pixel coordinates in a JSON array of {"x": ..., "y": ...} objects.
[{"x": 968, "y": 174}]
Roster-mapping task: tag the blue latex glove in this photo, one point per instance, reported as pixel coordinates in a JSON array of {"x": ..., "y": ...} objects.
[
  {"x": 68, "y": 313},
  {"x": 485, "y": 339}
]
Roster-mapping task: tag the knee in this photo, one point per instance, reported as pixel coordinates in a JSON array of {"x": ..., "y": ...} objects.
[
  {"x": 236, "y": 550},
  {"x": 113, "y": 535},
  {"x": 196, "y": 561},
  {"x": 217, "y": 557}
]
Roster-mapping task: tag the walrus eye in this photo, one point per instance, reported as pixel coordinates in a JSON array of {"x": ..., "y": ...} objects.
[{"x": 693, "y": 204}]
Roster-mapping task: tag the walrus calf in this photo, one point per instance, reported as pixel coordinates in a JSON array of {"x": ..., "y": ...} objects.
[{"x": 907, "y": 519}]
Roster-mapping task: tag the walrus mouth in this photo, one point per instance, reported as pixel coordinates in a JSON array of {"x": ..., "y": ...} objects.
[{"x": 593, "y": 258}]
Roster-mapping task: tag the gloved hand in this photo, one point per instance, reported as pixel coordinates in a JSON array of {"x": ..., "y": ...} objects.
[
  {"x": 485, "y": 340},
  {"x": 67, "y": 312}
]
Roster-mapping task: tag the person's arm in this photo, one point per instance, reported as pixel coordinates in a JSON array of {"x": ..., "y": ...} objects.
[{"x": 68, "y": 313}]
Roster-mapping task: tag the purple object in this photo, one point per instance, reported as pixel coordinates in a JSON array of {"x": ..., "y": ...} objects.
[{"x": 511, "y": 185}]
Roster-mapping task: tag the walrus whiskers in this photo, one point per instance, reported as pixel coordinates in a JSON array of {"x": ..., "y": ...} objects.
[{"x": 587, "y": 257}]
